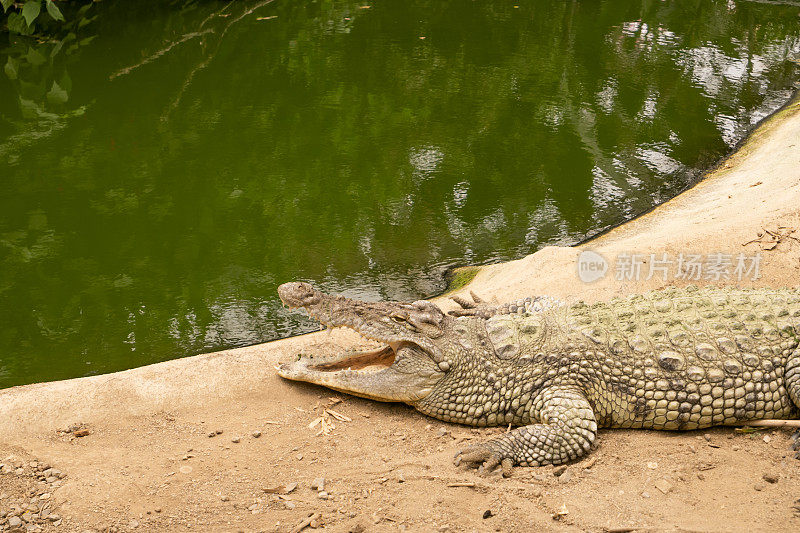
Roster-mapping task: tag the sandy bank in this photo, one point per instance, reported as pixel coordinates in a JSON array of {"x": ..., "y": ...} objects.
[{"x": 143, "y": 421}]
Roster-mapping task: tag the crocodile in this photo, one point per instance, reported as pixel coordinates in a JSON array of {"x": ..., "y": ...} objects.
[{"x": 672, "y": 359}]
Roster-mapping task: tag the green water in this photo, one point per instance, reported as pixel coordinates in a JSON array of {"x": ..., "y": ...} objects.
[{"x": 163, "y": 171}]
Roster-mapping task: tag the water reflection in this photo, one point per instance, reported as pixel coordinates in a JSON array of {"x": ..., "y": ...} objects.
[{"x": 204, "y": 154}]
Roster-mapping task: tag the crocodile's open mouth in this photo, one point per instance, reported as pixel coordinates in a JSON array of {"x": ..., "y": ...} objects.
[
  {"x": 371, "y": 360},
  {"x": 400, "y": 368}
]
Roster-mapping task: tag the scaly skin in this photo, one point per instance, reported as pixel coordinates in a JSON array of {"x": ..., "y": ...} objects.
[{"x": 672, "y": 359}]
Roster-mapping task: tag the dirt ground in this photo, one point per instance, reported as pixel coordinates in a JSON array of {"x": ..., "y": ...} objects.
[{"x": 218, "y": 442}]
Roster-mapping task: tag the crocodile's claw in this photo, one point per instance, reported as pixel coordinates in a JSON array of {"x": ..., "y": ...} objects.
[
  {"x": 485, "y": 458},
  {"x": 477, "y": 307}
]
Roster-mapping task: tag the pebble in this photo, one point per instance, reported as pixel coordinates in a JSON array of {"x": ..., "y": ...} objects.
[
  {"x": 323, "y": 495},
  {"x": 14, "y": 521},
  {"x": 767, "y": 439},
  {"x": 645, "y": 494},
  {"x": 224, "y": 498},
  {"x": 256, "y": 434},
  {"x": 289, "y": 505},
  {"x": 758, "y": 486},
  {"x": 318, "y": 484},
  {"x": 770, "y": 477},
  {"x": 566, "y": 477},
  {"x": 133, "y": 524},
  {"x": 652, "y": 465},
  {"x": 235, "y": 440},
  {"x": 557, "y": 471},
  {"x": 707, "y": 436},
  {"x": 663, "y": 485}
]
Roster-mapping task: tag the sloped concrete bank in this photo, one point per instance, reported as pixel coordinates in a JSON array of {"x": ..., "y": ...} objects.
[{"x": 141, "y": 422}]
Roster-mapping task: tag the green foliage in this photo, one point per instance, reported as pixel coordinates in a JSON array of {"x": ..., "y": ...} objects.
[
  {"x": 53, "y": 10},
  {"x": 31, "y": 10},
  {"x": 27, "y": 18}
]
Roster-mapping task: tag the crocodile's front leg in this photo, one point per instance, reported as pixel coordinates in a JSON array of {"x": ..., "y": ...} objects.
[
  {"x": 567, "y": 430},
  {"x": 482, "y": 309}
]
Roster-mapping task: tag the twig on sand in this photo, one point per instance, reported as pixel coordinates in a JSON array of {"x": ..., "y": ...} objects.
[{"x": 305, "y": 523}]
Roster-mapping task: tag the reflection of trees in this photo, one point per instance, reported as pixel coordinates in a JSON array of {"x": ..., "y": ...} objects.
[{"x": 228, "y": 154}]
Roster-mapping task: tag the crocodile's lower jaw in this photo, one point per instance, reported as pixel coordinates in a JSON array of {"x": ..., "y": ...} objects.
[{"x": 369, "y": 374}]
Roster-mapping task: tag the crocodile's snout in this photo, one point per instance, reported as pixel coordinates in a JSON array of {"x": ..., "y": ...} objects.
[{"x": 298, "y": 294}]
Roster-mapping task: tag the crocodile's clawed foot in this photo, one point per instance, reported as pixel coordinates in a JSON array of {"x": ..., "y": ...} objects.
[
  {"x": 485, "y": 459},
  {"x": 477, "y": 307}
]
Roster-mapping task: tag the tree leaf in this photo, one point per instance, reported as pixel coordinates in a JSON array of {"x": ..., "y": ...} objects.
[
  {"x": 53, "y": 10},
  {"x": 29, "y": 108},
  {"x": 6, "y": 4},
  {"x": 11, "y": 68},
  {"x": 16, "y": 24},
  {"x": 57, "y": 95},
  {"x": 34, "y": 57},
  {"x": 31, "y": 10}
]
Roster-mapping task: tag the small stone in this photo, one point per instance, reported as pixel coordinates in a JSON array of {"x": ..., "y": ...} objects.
[
  {"x": 652, "y": 465},
  {"x": 256, "y": 434},
  {"x": 707, "y": 436},
  {"x": 645, "y": 494},
  {"x": 735, "y": 447},
  {"x": 235, "y": 440},
  {"x": 14, "y": 521},
  {"x": 53, "y": 517},
  {"x": 253, "y": 507},
  {"x": 401, "y": 478},
  {"x": 45, "y": 496},
  {"x": 211, "y": 435},
  {"x": 442, "y": 432},
  {"x": 770, "y": 477},
  {"x": 225, "y": 498},
  {"x": 663, "y": 485},
  {"x": 289, "y": 505},
  {"x": 133, "y": 524},
  {"x": 290, "y": 487},
  {"x": 318, "y": 484},
  {"x": 299, "y": 456},
  {"x": 218, "y": 432},
  {"x": 767, "y": 439},
  {"x": 566, "y": 477},
  {"x": 323, "y": 495},
  {"x": 487, "y": 514},
  {"x": 758, "y": 486},
  {"x": 557, "y": 471},
  {"x": 185, "y": 469},
  {"x": 701, "y": 476}
]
